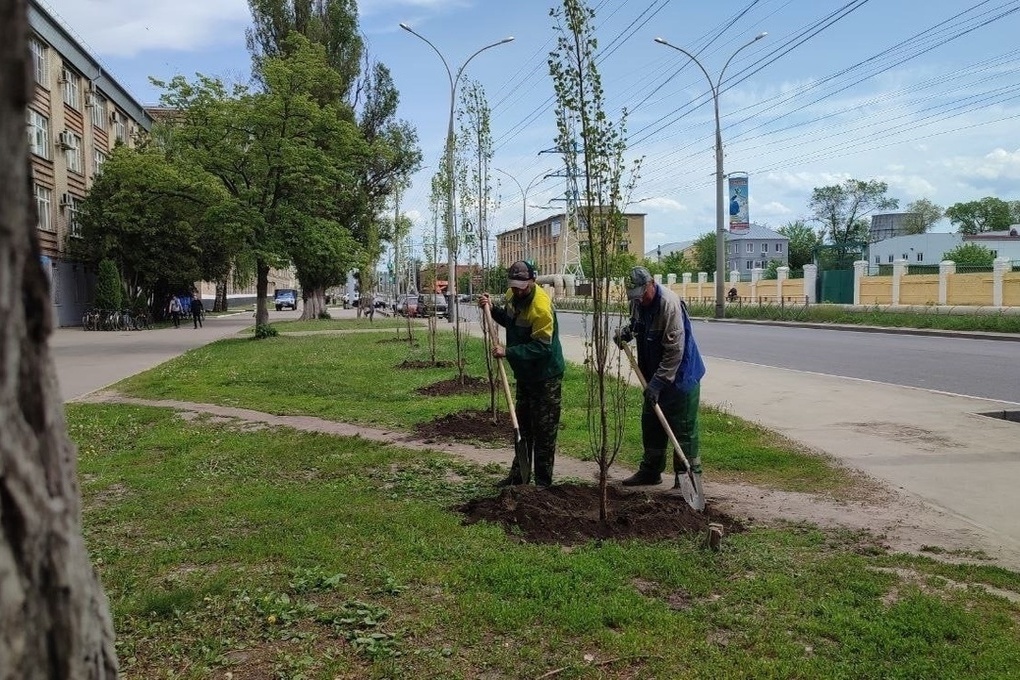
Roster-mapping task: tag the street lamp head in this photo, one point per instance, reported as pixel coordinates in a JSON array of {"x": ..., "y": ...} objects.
[
  {"x": 761, "y": 35},
  {"x": 506, "y": 40},
  {"x": 661, "y": 41},
  {"x": 405, "y": 26}
]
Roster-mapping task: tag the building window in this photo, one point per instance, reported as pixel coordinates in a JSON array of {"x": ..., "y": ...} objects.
[
  {"x": 890, "y": 259},
  {"x": 995, "y": 253},
  {"x": 98, "y": 104},
  {"x": 764, "y": 247},
  {"x": 73, "y": 153},
  {"x": 98, "y": 158},
  {"x": 779, "y": 247},
  {"x": 750, "y": 247},
  {"x": 74, "y": 216},
  {"x": 920, "y": 257},
  {"x": 43, "y": 206},
  {"x": 38, "y": 134},
  {"x": 72, "y": 90},
  {"x": 904, "y": 256},
  {"x": 38, "y": 50},
  {"x": 119, "y": 131},
  {"x": 748, "y": 264},
  {"x": 878, "y": 260}
]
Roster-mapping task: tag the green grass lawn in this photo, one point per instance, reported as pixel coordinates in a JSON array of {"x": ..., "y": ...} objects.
[
  {"x": 280, "y": 554},
  {"x": 353, "y": 378}
]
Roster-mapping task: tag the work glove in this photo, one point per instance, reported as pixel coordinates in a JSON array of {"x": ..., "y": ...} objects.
[
  {"x": 622, "y": 336},
  {"x": 654, "y": 389}
]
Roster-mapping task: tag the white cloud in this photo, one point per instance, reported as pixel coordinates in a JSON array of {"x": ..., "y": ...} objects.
[
  {"x": 658, "y": 203},
  {"x": 125, "y": 28}
]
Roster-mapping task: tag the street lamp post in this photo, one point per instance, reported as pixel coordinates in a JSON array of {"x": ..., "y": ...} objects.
[
  {"x": 451, "y": 273},
  {"x": 524, "y": 206},
  {"x": 720, "y": 225}
]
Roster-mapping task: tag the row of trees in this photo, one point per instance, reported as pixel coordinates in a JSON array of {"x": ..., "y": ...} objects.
[{"x": 235, "y": 180}]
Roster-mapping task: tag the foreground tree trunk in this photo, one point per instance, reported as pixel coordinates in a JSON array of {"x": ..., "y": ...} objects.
[
  {"x": 220, "y": 303},
  {"x": 314, "y": 304},
  {"x": 54, "y": 617},
  {"x": 261, "y": 292}
]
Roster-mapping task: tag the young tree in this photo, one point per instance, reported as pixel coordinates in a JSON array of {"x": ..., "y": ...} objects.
[
  {"x": 54, "y": 617},
  {"x": 842, "y": 210},
  {"x": 598, "y": 163},
  {"x": 476, "y": 201},
  {"x": 988, "y": 214},
  {"x": 802, "y": 243},
  {"x": 970, "y": 255},
  {"x": 922, "y": 215}
]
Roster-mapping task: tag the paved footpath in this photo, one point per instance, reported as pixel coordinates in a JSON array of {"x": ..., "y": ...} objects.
[{"x": 961, "y": 468}]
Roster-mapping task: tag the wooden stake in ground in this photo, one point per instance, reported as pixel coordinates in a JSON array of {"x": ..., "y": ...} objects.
[{"x": 54, "y": 617}]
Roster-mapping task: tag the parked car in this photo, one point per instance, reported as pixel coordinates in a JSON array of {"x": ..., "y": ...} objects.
[
  {"x": 285, "y": 297},
  {"x": 406, "y": 305},
  {"x": 431, "y": 304}
]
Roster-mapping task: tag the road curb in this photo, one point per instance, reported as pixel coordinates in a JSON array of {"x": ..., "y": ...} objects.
[{"x": 895, "y": 330}]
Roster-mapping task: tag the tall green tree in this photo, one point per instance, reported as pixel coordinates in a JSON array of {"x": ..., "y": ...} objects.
[
  {"x": 583, "y": 125},
  {"x": 165, "y": 225},
  {"x": 988, "y": 214},
  {"x": 971, "y": 255},
  {"x": 802, "y": 243},
  {"x": 842, "y": 210},
  {"x": 922, "y": 215},
  {"x": 704, "y": 252},
  {"x": 330, "y": 23},
  {"x": 287, "y": 161}
]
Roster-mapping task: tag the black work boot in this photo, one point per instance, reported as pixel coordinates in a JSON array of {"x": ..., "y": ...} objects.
[
  {"x": 642, "y": 478},
  {"x": 650, "y": 471}
]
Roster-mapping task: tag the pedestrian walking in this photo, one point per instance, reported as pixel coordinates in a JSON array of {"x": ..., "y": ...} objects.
[
  {"x": 197, "y": 310},
  {"x": 535, "y": 355},
  {"x": 670, "y": 361},
  {"x": 175, "y": 311}
]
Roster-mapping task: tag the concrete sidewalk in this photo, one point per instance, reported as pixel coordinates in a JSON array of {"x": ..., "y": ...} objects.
[{"x": 931, "y": 446}]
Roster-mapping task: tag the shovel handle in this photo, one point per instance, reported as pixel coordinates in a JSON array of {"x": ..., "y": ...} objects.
[
  {"x": 494, "y": 334},
  {"x": 658, "y": 411}
]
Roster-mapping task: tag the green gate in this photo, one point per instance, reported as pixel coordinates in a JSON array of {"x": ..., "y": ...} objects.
[{"x": 836, "y": 286}]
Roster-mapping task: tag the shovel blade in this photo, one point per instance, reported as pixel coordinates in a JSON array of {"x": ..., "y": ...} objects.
[
  {"x": 522, "y": 457},
  {"x": 691, "y": 491}
]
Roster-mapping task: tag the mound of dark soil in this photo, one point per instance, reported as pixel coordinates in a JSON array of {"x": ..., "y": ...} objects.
[
  {"x": 468, "y": 425},
  {"x": 569, "y": 514},
  {"x": 407, "y": 363},
  {"x": 470, "y": 385}
]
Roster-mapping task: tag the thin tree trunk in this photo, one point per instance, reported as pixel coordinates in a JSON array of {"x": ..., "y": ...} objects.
[
  {"x": 220, "y": 301},
  {"x": 262, "y": 293},
  {"x": 54, "y": 617}
]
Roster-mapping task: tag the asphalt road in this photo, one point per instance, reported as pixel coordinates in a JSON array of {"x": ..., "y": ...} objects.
[{"x": 987, "y": 369}]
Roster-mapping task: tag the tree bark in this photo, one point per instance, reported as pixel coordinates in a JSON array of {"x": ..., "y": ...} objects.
[
  {"x": 54, "y": 618},
  {"x": 314, "y": 303},
  {"x": 262, "y": 292},
  {"x": 220, "y": 302}
]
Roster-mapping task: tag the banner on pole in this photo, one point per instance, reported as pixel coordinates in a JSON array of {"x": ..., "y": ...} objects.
[{"x": 740, "y": 222}]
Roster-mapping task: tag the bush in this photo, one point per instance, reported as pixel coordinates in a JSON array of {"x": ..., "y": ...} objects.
[
  {"x": 324, "y": 315},
  {"x": 265, "y": 330},
  {"x": 108, "y": 290}
]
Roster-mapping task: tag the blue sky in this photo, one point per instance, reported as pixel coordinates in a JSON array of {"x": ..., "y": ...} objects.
[{"x": 923, "y": 96}]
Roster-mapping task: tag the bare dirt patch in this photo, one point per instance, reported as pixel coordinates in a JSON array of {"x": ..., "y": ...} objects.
[
  {"x": 408, "y": 363},
  {"x": 443, "y": 388},
  {"x": 467, "y": 426},
  {"x": 569, "y": 514}
]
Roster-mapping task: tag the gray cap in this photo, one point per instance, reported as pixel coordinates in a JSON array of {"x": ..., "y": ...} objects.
[
  {"x": 520, "y": 273},
  {"x": 639, "y": 278}
]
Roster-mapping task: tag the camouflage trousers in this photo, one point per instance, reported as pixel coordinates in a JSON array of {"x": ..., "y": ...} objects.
[{"x": 538, "y": 414}]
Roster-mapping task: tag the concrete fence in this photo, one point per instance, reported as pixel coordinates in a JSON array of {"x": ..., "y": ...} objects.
[{"x": 997, "y": 288}]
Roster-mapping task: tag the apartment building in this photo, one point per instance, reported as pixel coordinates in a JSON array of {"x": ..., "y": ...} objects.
[
  {"x": 554, "y": 249},
  {"x": 76, "y": 115}
]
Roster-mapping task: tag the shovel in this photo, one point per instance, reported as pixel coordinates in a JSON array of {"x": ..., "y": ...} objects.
[
  {"x": 689, "y": 484},
  {"x": 521, "y": 454}
]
